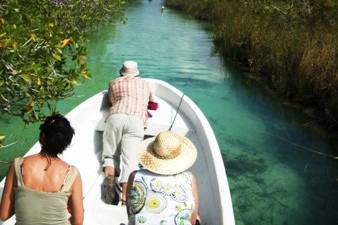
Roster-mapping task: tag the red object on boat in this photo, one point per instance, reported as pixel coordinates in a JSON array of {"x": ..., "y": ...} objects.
[{"x": 152, "y": 105}]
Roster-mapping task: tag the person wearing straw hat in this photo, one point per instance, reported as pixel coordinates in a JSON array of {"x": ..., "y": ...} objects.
[
  {"x": 163, "y": 191},
  {"x": 124, "y": 129}
]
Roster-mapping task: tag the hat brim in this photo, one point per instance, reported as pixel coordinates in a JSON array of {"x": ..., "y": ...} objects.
[
  {"x": 136, "y": 73},
  {"x": 182, "y": 162}
]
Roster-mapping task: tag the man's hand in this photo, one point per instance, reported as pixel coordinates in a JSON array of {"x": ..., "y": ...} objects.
[{"x": 109, "y": 171}]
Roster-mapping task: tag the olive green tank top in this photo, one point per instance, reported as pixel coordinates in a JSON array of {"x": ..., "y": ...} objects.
[{"x": 41, "y": 208}]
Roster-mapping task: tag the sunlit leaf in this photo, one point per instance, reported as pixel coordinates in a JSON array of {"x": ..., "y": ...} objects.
[
  {"x": 59, "y": 50},
  {"x": 65, "y": 42},
  {"x": 82, "y": 60},
  {"x": 74, "y": 82},
  {"x": 57, "y": 57},
  {"x": 26, "y": 77},
  {"x": 85, "y": 74},
  {"x": 34, "y": 37},
  {"x": 15, "y": 45}
]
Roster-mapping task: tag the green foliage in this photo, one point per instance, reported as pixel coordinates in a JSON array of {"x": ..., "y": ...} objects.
[
  {"x": 43, "y": 53},
  {"x": 290, "y": 43}
]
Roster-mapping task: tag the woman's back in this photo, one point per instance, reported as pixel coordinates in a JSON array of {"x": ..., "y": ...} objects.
[
  {"x": 40, "y": 188},
  {"x": 40, "y": 198},
  {"x": 43, "y": 173},
  {"x": 161, "y": 199}
]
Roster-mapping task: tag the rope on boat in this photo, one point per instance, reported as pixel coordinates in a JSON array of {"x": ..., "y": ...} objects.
[{"x": 177, "y": 109}]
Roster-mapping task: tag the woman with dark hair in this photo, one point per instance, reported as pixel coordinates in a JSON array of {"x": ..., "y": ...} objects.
[{"x": 40, "y": 188}]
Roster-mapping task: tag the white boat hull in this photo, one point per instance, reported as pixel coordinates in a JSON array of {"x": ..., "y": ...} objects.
[{"x": 85, "y": 153}]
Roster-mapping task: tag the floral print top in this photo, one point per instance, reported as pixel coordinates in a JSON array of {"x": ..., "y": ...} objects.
[{"x": 160, "y": 200}]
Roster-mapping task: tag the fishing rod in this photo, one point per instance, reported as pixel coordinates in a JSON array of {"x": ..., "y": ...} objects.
[{"x": 177, "y": 109}]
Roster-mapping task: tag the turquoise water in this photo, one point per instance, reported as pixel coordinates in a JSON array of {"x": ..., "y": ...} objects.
[{"x": 274, "y": 176}]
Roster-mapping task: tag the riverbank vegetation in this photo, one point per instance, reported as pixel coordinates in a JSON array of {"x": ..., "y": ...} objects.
[
  {"x": 43, "y": 51},
  {"x": 291, "y": 44}
]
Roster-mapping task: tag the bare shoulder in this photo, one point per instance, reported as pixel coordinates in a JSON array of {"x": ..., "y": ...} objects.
[
  {"x": 75, "y": 169},
  {"x": 31, "y": 157}
]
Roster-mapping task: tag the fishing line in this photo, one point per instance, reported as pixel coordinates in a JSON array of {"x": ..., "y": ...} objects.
[
  {"x": 92, "y": 186},
  {"x": 299, "y": 147},
  {"x": 177, "y": 109},
  {"x": 304, "y": 148}
]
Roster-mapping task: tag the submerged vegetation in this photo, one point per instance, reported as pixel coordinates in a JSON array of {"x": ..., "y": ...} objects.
[
  {"x": 43, "y": 53},
  {"x": 291, "y": 44}
]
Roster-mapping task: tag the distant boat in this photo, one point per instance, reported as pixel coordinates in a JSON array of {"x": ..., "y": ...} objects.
[{"x": 85, "y": 153}]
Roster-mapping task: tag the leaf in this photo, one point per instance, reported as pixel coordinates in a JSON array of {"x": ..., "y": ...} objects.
[
  {"x": 65, "y": 42},
  {"x": 58, "y": 50},
  {"x": 82, "y": 60},
  {"x": 74, "y": 82},
  {"x": 34, "y": 37},
  {"x": 57, "y": 57},
  {"x": 15, "y": 45},
  {"x": 26, "y": 77},
  {"x": 29, "y": 107},
  {"x": 85, "y": 75},
  {"x": 2, "y": 137}
]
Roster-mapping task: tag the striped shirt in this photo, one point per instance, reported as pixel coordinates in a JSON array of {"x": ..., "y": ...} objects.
[{"x": 129, "y": 95}]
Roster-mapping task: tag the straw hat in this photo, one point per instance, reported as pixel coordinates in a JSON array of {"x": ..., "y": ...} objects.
[
  {"x": 167, "y": 153},
  {"x": 129, "y": 68}
]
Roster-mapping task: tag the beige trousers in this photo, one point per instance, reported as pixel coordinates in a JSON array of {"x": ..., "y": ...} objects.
[{"x": 122, "y": 138}]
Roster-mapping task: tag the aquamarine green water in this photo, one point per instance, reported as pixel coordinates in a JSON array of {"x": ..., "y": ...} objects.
[{"x": 268, "y": 149}]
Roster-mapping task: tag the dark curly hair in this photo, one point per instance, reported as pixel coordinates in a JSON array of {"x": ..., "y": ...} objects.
[{"x": 56, "y": 134}]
